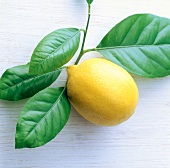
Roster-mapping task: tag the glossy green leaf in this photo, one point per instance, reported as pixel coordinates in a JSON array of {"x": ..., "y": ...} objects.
[
  {"x": 16, "y": 84},
  {"x": 89, "y": 1},
  {"x": 42, "y": 118},
  {"x": 54, "y": 50},
  {"x": 140, "y": 44}
]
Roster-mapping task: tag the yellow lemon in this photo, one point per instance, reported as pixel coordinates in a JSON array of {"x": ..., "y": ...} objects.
[{"x": 102, "y": 92}]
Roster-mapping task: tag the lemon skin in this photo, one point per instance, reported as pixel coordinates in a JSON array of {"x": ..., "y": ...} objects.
[{"x": 102, "y": 92}]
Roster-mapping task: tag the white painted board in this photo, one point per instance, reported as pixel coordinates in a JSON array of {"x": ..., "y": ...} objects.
[{"x": 141, "y": 142}]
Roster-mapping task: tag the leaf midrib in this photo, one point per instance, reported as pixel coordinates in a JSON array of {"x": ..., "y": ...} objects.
[
  {"x": 29, "y": 79},
  {"x": 130, "y": 46},
  {"x": 45, "y": 114},
  {"x": 49, "y": 56}
]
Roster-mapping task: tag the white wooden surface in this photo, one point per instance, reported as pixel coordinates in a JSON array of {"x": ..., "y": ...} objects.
[{"x": 141, "y": 142}]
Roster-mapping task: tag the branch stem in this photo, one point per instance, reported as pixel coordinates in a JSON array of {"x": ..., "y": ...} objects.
[{"x": 84, "y": 38}]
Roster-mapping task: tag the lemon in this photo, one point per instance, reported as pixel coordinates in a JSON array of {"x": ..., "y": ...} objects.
[{"x": 102, "y": 92}]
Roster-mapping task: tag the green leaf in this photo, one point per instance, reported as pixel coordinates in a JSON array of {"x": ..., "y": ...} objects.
[
  {"x": 16, "y": 84},
  {"x": 89, "y": 1},
  {"x": 54, "y": 50},
  {"x": 42, "y": 118},
  {"x": 140, "y": 44}
]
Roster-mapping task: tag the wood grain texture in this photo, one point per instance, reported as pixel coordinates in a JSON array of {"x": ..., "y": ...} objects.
[{"x": 141, "y": 142}]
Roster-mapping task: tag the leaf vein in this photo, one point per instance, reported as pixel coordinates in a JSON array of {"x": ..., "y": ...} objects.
[
  {"x": 153, "y": 59},
  {"x": 128, "y": 31},
  {"x": 52, "y": 53},
  {"x": 34, "y": 128},
  {"x": 29, "y": 79}
]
